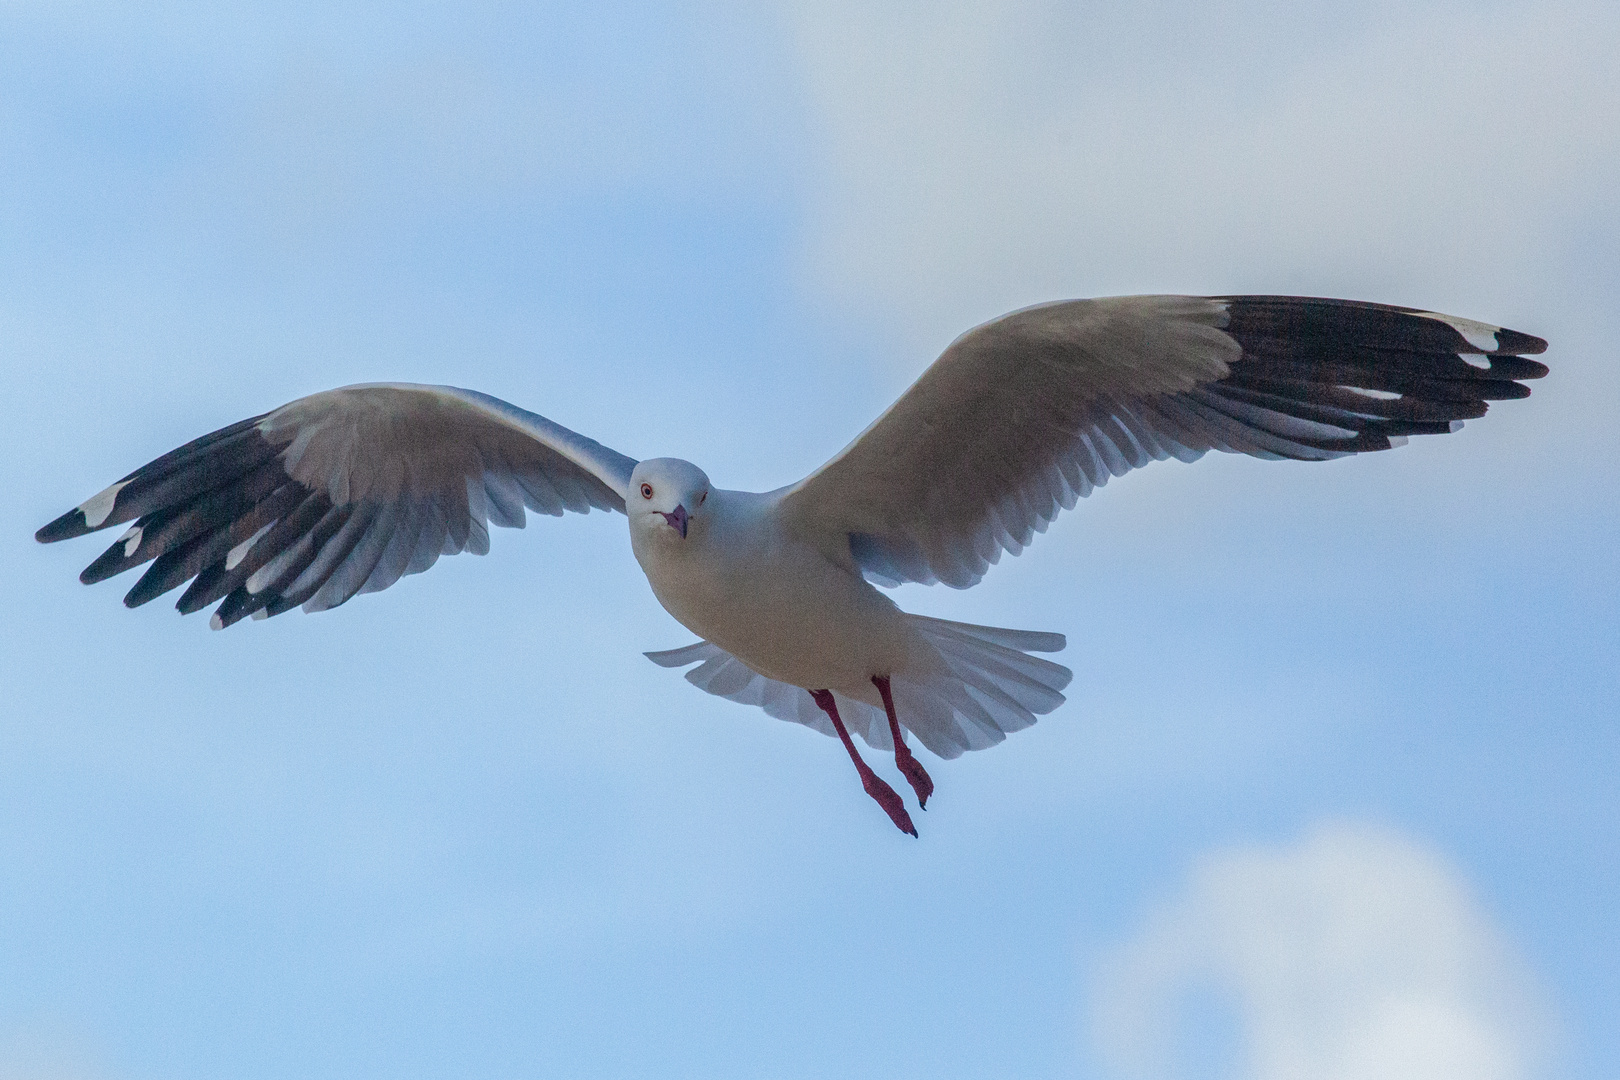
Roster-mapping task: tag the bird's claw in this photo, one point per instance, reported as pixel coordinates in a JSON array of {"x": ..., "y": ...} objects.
[
  {"x": 915, "y": 774},
  {"x": 885, "y": 796}
]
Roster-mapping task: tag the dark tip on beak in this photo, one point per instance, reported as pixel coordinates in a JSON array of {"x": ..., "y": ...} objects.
[{"x": 677, "y": 519}]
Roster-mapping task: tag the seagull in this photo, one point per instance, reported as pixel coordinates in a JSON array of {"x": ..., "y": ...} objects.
[{"x": 346, "y": 491}]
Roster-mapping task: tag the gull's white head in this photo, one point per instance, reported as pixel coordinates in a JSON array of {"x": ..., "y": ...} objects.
[{"x": 666, "y": 498}]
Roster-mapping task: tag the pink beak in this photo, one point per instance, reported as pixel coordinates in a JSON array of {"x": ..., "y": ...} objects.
[{"x": 677, "y": 519}]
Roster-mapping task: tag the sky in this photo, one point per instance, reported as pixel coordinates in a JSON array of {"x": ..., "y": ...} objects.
[{"x": 1333, "y": 796}]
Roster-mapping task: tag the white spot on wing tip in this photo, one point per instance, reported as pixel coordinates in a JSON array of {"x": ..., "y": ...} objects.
[
  {"x": 215, "y": 622},
  {"x": 1477, "y": 334},
  {"x": 1397, "y": 440},
  {"x": 1380, "y": 395},
  {"x": 239, "y": 552},
  {"x": 262, "y": 613},
  {"x": 96, "y": 508},
  {"x": 131, "y": 540},
  {"x": 1456, "y": 425}
]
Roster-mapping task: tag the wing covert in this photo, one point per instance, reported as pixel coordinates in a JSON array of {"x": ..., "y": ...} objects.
[{"x": 338, "y": 493}]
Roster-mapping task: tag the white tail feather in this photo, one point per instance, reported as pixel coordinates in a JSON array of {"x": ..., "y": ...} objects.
[{"x": 993, "y": 687}]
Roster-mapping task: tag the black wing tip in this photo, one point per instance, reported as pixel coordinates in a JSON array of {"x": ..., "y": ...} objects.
[
  {"x": 1513, "y": 367},
  {"x": 237, "y": 605},
  {"x": 1513, "y": 343},
  {"x": 134, "y": 495},
  {"x": 66, "y": 527},
  {"x": 1502, "y": 390},
  {"x": 197, "y": 595},
  {"x": 1508, "y": 343},
  {"x": 151, "y": 586},
  {"x": 1517, "y": 344}
]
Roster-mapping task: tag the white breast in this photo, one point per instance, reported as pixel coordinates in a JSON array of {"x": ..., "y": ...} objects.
[{"x": 777, "y": 604}]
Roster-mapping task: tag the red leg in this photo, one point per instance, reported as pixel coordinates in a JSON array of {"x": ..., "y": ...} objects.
[
  {"x": 916, "y": 775},
  {"x": 873, "y": 783}
]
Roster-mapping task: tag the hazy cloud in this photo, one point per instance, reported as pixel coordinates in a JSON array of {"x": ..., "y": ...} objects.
[
  {"x": 45, "y": 1050},
  {"x": 1355, "y": 955},
  {"x": 984, "y": 156}
]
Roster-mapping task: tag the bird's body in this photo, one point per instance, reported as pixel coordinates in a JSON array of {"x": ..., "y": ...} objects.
[
  {"x": 743, "y": 581},
  {"x": 347, "y": 490}
]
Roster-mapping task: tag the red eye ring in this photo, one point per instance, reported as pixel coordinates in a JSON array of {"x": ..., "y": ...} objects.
[{"x": 646, "y": 491}]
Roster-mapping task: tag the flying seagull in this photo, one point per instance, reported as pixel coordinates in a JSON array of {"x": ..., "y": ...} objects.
[{"x": 345, "y": 491}]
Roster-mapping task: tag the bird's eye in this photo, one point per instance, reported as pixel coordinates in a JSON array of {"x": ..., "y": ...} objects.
[{"x": 646, "y": 491}]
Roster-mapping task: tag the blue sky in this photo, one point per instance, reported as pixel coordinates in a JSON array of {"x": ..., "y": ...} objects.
[{"x": 1342, "y": 734}]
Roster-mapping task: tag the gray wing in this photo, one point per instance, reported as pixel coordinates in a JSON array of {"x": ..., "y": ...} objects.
[
  {"x": 338, "y": 493},
  {"x": 1026, "y": 414}
]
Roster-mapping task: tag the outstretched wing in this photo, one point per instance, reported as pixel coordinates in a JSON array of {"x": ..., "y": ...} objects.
[
  {"x": 1030, "y": 412},
  {"x": 338, "y": 493}
]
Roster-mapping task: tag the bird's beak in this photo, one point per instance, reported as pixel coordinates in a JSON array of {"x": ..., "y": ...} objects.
[{"x": 677, "y": 520}]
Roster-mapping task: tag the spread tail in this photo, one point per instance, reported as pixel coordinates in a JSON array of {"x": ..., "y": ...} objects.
[{"x": 991, "y": 686}]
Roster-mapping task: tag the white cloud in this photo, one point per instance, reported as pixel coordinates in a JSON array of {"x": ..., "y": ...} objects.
[
  {"x": 985, "y": 156},
  {"x": 1356, "y": 955}
]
